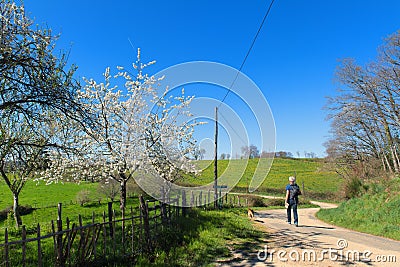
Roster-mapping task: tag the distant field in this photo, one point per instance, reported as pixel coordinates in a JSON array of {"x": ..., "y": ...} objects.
[{"x": 318, "y": 182}]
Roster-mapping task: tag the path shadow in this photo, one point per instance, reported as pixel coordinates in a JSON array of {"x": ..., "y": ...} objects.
[{"x": 317, "y": 227}]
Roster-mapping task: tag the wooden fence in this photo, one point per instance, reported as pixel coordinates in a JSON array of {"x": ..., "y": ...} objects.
[{"x": 109, "y": 240}]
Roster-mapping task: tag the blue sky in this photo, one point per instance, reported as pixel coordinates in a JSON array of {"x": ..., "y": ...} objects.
[{"x": 293, "y": 61}]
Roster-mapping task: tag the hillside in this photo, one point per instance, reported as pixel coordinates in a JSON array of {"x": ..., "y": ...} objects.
[{"x": 318, "y": 181}]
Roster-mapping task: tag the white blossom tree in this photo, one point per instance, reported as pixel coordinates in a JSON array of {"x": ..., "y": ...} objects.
[{"x": 137, "y": 128}]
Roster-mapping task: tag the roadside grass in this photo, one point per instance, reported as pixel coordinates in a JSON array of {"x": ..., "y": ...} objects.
[
  {"x": 203, "y": 237},
  {"x": 319, "y": 183},
  {"x": 376, "y": 212}
]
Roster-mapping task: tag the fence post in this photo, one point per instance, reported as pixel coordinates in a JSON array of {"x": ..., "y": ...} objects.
[
  {"x": 145, "y": 212},
  {"x": 69, "y": 240},
  {"x": 209, "y": 197},
  {"x": 123, "y": 230},
  {"x": 94, "y": 242},
  {"x": 81, "y": 249},
  {"x": 104, "y": 235},
  {"x": 163, "y": 206},
  {"x": 191, "y": 199},
  {"x": 53, "y": 230},
  {"x": 6, "y": 247},
  {"x": 39, "y": 247},
  {"x": 183, "y": 203},
  {"x": 110, "y": 218},
  {"x": 23, "y": 245},
  {"x": 133, "y": 231},
  {"x": 113, "y": 229},
  {"x": 59, "y": 236}
]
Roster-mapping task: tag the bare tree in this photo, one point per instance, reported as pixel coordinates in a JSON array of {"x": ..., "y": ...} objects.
[
  {"x": 250, "y": 152},
  {"x": 365, "y": 114},
  {"x": 108, "y": 188}
]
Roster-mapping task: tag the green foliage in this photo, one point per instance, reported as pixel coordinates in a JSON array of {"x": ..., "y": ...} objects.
[
  {"x": 352, "y": 187},
  {"x": 376, "y": 212}
]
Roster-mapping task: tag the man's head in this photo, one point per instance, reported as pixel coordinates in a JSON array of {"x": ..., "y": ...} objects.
[{"x": 292, "y": 179}]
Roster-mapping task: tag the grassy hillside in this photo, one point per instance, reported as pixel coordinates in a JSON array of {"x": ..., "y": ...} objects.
[
  {"x": 376, "y": 211},
  {"x": 318, "y": 182}
]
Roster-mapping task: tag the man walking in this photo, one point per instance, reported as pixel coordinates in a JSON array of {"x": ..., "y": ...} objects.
[{"x": 292, "y": 199}]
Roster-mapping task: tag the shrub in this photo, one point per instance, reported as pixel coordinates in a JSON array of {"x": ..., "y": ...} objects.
[
  {"x": 276, "y": 202},
  {"x": 83, "y": 197},
  {"x": 109, "y": 189},
  {"x": 23, "y": 210},
  {"x": 352, "y": 187},
  {"x": 255, "y": 201}
]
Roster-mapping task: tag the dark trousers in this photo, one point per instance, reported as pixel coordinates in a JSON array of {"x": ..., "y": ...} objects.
[{"x": 292, "y": 205}]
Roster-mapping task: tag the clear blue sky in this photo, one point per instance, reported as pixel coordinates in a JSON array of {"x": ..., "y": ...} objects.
[{"x": 293, "y": 61}]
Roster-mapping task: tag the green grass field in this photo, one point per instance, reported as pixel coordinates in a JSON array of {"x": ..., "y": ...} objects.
[
  {"x": 45, "y": 198},
  {"x": 319, "y": 183}
]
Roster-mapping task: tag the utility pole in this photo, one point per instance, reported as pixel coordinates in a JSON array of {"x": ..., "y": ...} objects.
[{"x": 216, "y": 160}]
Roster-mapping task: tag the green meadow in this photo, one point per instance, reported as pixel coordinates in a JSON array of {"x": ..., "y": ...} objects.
[
  {"x": 43, "y": 199},
  {"x": 319, "y": 183}
]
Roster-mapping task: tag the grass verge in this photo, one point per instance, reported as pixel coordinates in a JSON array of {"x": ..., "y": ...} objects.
[
  {"x": 376, "y": 212},
  {"x": 202, "y": 237}
]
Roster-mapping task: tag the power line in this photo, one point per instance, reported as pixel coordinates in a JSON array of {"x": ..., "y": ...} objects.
[
  {"x": 233, "y": 129},
  {"x": 248, "y": 52}
]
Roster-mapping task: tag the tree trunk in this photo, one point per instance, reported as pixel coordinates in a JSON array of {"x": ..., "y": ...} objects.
[
  {"x": 122, "y": 194},
  {"x": 387, "y": 163},
  {"x": 17, "y": 216}
]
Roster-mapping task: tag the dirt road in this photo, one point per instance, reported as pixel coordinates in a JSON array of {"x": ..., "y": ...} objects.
[{"x": 314, "y": 243}]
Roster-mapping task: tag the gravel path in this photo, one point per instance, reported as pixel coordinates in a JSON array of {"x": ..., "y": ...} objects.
[{"x": 314, "y": 243}]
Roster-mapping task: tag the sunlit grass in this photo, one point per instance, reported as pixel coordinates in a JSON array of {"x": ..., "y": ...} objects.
[
  {"x": 317, "y": 181},
  {"x": 376, "y": 213}
]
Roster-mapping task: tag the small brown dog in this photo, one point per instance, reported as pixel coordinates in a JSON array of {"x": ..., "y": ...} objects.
[{"x": 250, "y": 213}]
